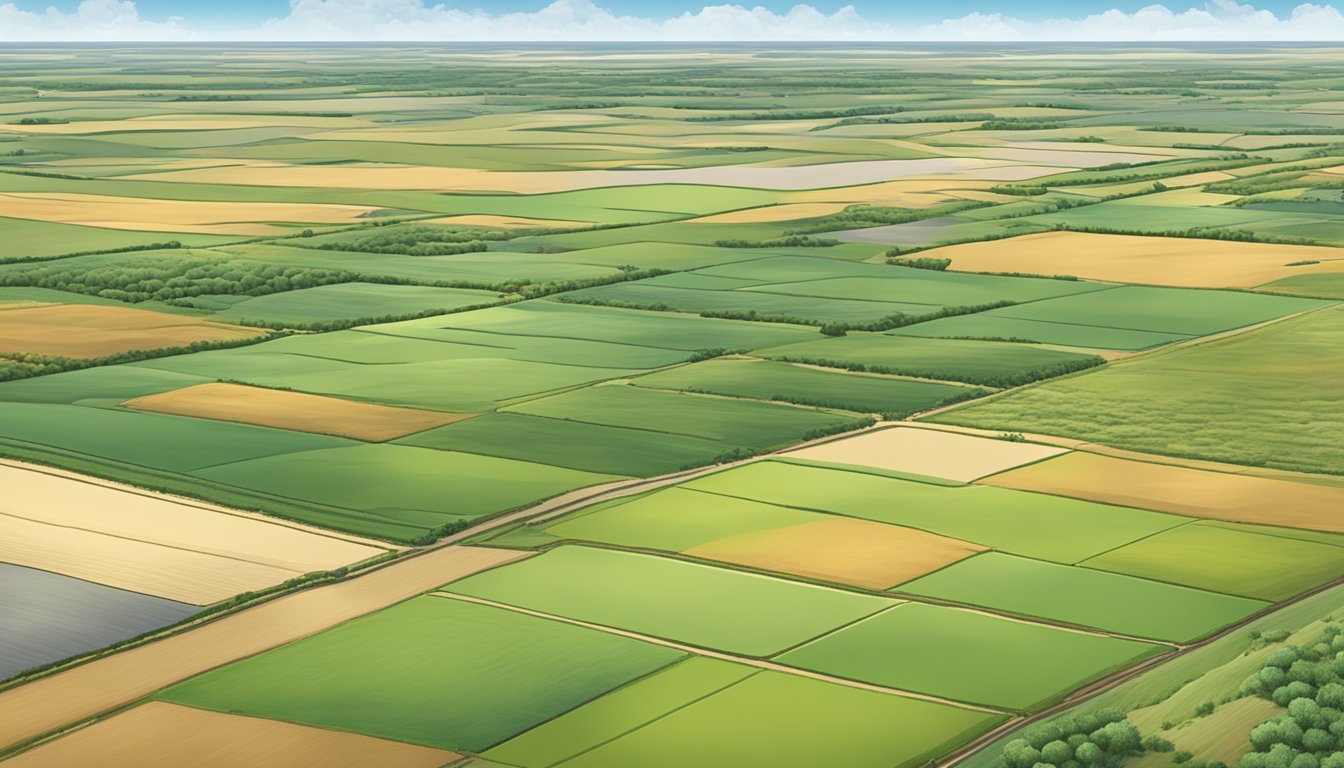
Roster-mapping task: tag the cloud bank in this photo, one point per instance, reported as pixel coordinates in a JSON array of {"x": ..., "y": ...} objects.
[{"x": 584, "y": 20}]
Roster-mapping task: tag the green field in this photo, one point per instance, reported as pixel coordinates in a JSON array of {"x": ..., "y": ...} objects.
[
  {"x": 1238, "y": 561},
  {"x": 572, "y": 444},
  {"x": 1033, "y": 525},
  {"x": 1084, "y": 597},
  {"x": 733, "y": 422},
  {"x": 967, "y": 656},
  {"x": 674, "y": 519},
  {"x": 791, "y": 722},
  {"x": 994, "y": 364},
  {"x": 403, "y": 674},
  {"x": 1266, "y": 398},
  {"x": 346, "y": 301},
  {"x": 769, "y": 380},
  {"x": 619, "y": 712},
  {"x": 749, "y": 614}
]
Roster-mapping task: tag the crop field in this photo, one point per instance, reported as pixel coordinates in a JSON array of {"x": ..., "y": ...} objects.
[
  {"x": 615, "y": 406},
  {"x": 402, "y": 673},
  {"x": 998, "y": 661}
]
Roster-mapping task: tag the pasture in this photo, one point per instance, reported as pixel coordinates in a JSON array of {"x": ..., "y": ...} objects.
[
  {"x": 967, "y": 656},
  {"x": 1227, "y": 400},
  {"x": 749, "y": 615},
  {"x": 402, "y": 672},
  {"x": 1082, "y": 597}
]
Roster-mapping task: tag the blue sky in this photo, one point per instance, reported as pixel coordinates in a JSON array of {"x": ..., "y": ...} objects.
[
  {"x": 671, "y": 20},
  {"x": 247, "y": 12}
]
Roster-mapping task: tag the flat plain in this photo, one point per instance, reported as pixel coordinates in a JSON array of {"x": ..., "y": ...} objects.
[{"x": 606, "y": 406}]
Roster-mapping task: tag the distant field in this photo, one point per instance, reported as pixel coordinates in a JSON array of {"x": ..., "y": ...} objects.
[
  {"x": 1227, "y": 400},
  {"x": 85, "y": 331},
  {"x": 1146, "y": 260},
  {"x": 992, "y": 364},
  {"x": 402, "y": 673},
  {"x": 769, "y": 380}
]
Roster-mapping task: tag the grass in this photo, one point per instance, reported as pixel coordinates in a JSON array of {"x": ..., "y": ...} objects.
[
  {"x": 416, "y": 486},
  {"x": 344, "y": 301},
  {"x": 1267, "y": 398},
  {"x": 973, "y": 362},
  {"x": 749, "y": 614},
  {"x": 791, "y": 722},
  {"x": 619, "y": 712},
  {"x": 967, "y": 656},
  {"x": 770, "y": 380},
  {"x": 673, "y": 520},
  {"x": 1177, "y": 311},
  {"x": 1228, "y": 558},
  {"x": 737, "y": 423},
  {"x": 572, "y": 444},
  {"x": 1083, "y": 597},
  {"x": 1033, "y": 525},
  {"x": 431, "y": 671}
]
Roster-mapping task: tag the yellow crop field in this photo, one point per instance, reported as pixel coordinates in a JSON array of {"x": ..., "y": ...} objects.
[
  {"x": 81, "y": 331},
  {"x": 294, "y": 410},
  {"x": 1177, "y": 261}
]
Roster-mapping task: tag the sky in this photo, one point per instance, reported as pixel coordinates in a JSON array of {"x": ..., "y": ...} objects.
[{"x": 667, "y": 20}]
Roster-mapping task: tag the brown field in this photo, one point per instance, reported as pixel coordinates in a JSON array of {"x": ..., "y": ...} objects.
[
  {"x": 1138, "y": 259},
  {"x": 1183, "y": 491},
  {"x": 162, "y": 735},
  {"x": 156, "y": 544},
  {"x": 928, "y": 452},
  {"x": 114, "y": 681},
  {"x": 83, "y": 330},
  {"x": 230, "y": 218},
  {"x": 842, "y": 550},
  {"x": 294, "y": 410}
]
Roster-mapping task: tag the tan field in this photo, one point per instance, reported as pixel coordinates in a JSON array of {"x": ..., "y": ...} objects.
[
  {"x": 1193, "y": 179},
  {"x": 928, "y": 452},
  {"x": 137, "y": 213},
  {"x": 1183, "y": 491},
  {"x": 294, "y": 410},
  {"x": 162, "y": 735},
  {"x": 842, "y": 550},
  {"x": 902, "y": 193},
  {"x": 114, "y": 681},
  {"x": 799, "y": 177},
  {"x": 135, "y": 540},
  {"x": 153, "y": 569},
  {"x": 1138, "y": 259},
  {"x": 83, "y": 330}
]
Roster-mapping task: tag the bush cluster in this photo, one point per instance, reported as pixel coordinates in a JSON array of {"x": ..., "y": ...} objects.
[
  {"x": 1309, "y": 683},
  {"x": 1101, "y": 739}
]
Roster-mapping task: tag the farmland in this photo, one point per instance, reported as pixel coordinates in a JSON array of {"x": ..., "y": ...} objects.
[{"x": 515, "y": 406}]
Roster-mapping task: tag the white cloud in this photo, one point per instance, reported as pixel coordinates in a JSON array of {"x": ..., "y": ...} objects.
[
  {"x": 584, "y": 20},
  {"x": 92, "y": 20}
]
